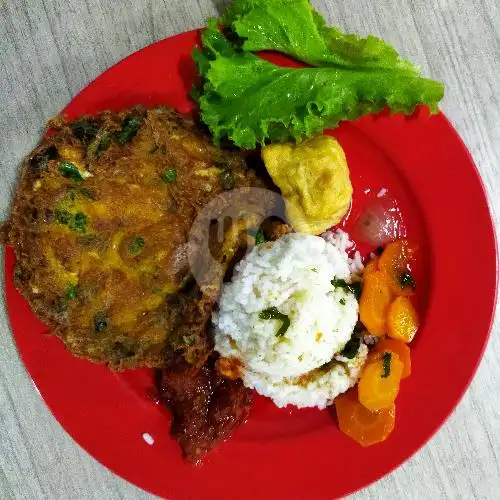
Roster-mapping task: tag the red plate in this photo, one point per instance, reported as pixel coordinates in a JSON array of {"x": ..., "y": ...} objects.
[{"x": 424, "y": 165}]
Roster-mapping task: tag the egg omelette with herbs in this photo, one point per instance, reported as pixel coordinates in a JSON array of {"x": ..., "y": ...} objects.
[{"x": 99, "y": 227}]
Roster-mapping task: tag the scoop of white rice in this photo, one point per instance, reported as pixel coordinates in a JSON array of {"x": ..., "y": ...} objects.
[{"x": 293, "y": 275}]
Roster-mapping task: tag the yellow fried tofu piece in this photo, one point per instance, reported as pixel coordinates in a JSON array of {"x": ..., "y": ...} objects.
[{"x": 314, "y": 180}]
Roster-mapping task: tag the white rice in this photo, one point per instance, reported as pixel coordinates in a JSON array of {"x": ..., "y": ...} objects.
[
  {"x": 311, "y": 391},
  {"x": 292, "y": 274},
  {"x": 340, "y": 240}
]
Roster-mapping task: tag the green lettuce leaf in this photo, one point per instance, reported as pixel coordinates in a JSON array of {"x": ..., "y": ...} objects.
[
  {"x": 250, "y": 100},
  {"x": 295, "y": 28}
]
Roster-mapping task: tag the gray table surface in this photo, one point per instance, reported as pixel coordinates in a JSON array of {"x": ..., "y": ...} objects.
[{"x": 50, "y": 49}]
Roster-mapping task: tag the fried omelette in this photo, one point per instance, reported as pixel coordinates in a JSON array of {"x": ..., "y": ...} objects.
[{"x": 99, "y": 228}]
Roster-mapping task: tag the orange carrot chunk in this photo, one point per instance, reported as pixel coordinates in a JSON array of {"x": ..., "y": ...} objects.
[
  {"x": 395, "y": 264},
  {"x": 402, "y": 320},
  {"x": 397, "y": 347},
  {"x": 374, "y": 302},
  {"x": 371, "y": 267},
  {"x": 378, "y": 386},
  {"x": 364, "y": 426}
]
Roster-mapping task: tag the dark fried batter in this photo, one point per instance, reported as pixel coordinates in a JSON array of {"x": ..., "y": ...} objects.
[{"x": 100, "y": 224}]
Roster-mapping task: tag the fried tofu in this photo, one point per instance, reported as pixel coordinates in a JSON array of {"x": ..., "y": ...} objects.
[{"x": 314, "y": 180}]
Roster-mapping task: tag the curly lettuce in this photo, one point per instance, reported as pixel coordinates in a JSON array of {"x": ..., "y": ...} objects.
[
  {"x": 294, "y": 28},
  {"x": 249, "y": 100}
]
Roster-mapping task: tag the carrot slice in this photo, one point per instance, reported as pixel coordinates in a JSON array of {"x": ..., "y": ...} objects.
[
  {"x": 395, "y": 264},
  {"x": 374, "y": 302},
  {"x": 378, "y": 386},
  {"x": 364, "y": 426},
  {"x": 397, "y": 347},
  {"x": 371, "y": 267},
  {"x": 402, "y": 320}
]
